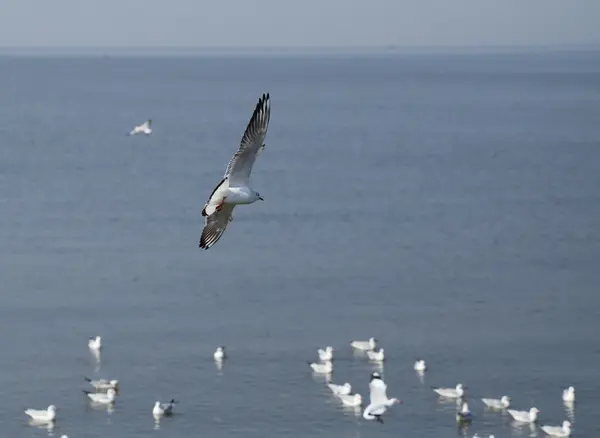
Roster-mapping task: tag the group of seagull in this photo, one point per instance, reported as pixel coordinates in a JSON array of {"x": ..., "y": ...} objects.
[
  {"x": 104, "y": 394},
  {"x": 379, "y": 401},
  {"x": 378, "y": 398},
  {"x": 464, "y": 416},
  {"x": 234, "y": 187}
]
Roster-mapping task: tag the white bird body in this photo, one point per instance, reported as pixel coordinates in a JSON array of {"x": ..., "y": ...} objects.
[
  {"x": 376, "y": 355},
  {"x": 219, "y": 354},
  {"x": 378, "y": 399},
  {"x": 420, "y": 365},
  {"x": 42, "y": 416},
  {"x": 558, "y": 431},
  {"x": 325, "y": 354},
  {"x": 95, "y": 343},
  {"x": 322, "y": 368},
  {"x": 451, "y": 392},
  {"x": 529, "y": 416},
  {"x": 352, "y": 400},
  {"x": 103, "y": 384},
  {"x": 144, "y": 128},
  {"x": 365, "y": 345},
  {"x": 234, "y": 188},
  {"x": 344, "y": 389},
  {"x": 160, "y": 409},
  {"x": 495, "y": 403},
  {"x": 569, "y": 394},
  {"x": 101, "y": 397}
]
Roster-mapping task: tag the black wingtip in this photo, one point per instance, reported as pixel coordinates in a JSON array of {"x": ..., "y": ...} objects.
[{"x": 87, "y": 379}]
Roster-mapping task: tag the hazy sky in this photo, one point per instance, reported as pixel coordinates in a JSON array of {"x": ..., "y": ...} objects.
[{"x": 298, "y": 22}]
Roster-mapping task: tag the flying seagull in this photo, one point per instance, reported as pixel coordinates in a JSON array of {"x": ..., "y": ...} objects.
[
  {"x": 234, "y": 188},
  {"x": 379, "y": 401},
  {"x": 144, "y": 128}
]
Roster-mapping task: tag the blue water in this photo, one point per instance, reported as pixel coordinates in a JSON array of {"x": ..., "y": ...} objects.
[{"x": 447, "y": 204}]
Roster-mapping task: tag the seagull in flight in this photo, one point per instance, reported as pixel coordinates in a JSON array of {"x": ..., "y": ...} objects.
[
  {"x": 234, "y": 188},
  {"x": 144, "y": 128},
  {"x": 379, "y": 401}
]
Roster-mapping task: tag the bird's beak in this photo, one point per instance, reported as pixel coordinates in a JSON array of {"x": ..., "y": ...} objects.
[{"x": 261, "y": 198}]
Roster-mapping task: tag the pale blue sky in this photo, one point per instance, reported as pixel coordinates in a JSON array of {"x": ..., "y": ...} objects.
[{"x": 198, "y": 23}]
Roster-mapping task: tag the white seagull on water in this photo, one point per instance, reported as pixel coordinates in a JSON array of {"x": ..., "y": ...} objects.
[
  {"x": 95, "y": 343},
  {"x": 558, "y": 431},
  {"x": 344, "y": 389},
  {"x": 325, "y": 354},
  {"x": 569, "y": 394},
  {"x": 102, "y": 384},
  {"x": 352, "y": 400},
  {"x": 160, "y": 409},
  {"x": 234, "y": 188},
  {"x": 529, "y": 416},
  {"x": 102, "y": 398},
  {"x": 321, "y": 368},
  {"x": 495, "y": 403},
  {"x": 364, "y": 345},
  {"x": 379, "y": 402},
  {"x": 219, "y": 353},
  {"x": 376, "y": 355},
  {"x": 42, "y": 416},
  {"x": 420, "y": 365},
  {"x": 144, "y": 128},
  {"x": 457, "y": 392}
]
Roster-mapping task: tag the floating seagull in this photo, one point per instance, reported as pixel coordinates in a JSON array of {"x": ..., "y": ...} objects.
[
  {"x": 464, "y": 416},
  {"x": 326, "y": 354},
  {"x": 160, "y": 409},
  {"x": 95, "y": 343},
  {"x": 344, "y": 389},
  {"x": 420, "y": 365},
  {"x": 42, "y": 416},
  {"x": 559, "y": 431},
  {"x": 220, "y": 353},
  {"x": 144, "y": 128},
  {"x": 102, "y": 384},
  {"x": 352, "y": 400},
  {"x": 365, "y": 345},
  {"x": 451, "y": 392},
  {"x": 569, "y": 394},
  {"x": 101, "y": 397},
  {"x": 494, "y": 403},
  {"x": 376, "y": 355},
  {"x": 477, "y": 436},
  {"x": 323, "y": 368},
  {"x": 529, "y": 416},
  {"x": 379, "y": 402},
  {"x": 234, "y": 188}
]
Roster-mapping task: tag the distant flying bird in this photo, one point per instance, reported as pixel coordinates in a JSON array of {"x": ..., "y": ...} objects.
[
  {"x": 234, "y": 188},
  {"x": 144, "y": 128}
]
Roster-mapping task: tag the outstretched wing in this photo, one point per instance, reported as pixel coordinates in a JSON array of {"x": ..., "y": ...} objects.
[
  {"x": 378, "y": 392},
  {"x": 240, "y": 165},
  {"x": 215, "y": 225}
]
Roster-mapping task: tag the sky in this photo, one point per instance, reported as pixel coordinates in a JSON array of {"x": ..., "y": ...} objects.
[{"x": 294, "y": 23}]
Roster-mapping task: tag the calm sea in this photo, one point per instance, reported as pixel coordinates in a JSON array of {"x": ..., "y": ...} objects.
[{"x": 448, "y": 205}]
